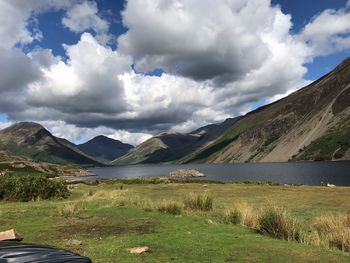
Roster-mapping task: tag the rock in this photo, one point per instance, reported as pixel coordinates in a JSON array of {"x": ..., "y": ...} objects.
[
  {"x": 209, "y": 221},
  {"x": 185, "y": 173},
  {"x": 10, "y": 235},
  {"x": 73, "y": 242},
  {"x": 139, "y": 250}
]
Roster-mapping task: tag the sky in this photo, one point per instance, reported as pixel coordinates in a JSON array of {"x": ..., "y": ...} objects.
[{"x": 132, "y": 69}]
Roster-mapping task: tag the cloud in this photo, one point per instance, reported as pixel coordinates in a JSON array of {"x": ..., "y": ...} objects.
[
  {"x": 87, "y": 83},
  {"x": 17, "y": 15},
  {"x": 220, "y": 41},
  {"x": 12, "y": 62},
  {"x": 84, "y": 16},
  {"x": 328, "y": 32},
  {"x": 218, "y": 58},
  {"x": 242, "y": 50}
]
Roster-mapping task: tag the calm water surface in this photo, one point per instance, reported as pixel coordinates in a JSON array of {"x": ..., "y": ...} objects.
[{"x": 308, "y": 173}]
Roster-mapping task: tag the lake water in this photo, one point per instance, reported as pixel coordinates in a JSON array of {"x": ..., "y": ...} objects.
[{"x": 307, "y": 173}]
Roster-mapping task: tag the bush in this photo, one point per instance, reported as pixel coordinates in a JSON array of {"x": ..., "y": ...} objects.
[
  {"x": 334, "y": 231},
  {"x": 276, "y": 223},
  {"x": 198, "y": 202},
  {"x": 31, "y": 187},
  {"x": 170, "y": 208}
]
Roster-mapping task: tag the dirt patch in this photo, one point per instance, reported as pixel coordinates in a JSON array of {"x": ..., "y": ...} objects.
[{"x": 100, "y": 230}]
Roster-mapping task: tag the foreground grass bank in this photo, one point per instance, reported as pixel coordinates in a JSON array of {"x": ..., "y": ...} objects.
[{"x": 111, "y": 217}]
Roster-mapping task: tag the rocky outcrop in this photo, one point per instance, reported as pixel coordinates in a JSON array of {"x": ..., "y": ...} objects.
[{"x": 185, "y": 173}]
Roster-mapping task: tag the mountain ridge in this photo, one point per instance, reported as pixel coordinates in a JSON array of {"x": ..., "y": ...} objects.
[
  {"x": 31, "y": 140},
  {"x": 104, "y": 148},
  {"x": 169, "y": 146},
  {"x": 283, "y": 130}
]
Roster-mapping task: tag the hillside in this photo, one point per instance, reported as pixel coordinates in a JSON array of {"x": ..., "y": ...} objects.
[
  {"x": 310, "y": 124},
  {"x": 32, "y": 141},
  {"x": 104, "y": 148},
  {"x": 168, "y": 147}
]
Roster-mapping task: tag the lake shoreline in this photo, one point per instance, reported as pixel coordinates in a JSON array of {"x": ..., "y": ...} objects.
[{"x": 300, "y": 173}]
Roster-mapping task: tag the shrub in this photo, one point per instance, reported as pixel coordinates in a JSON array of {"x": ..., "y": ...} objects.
[
  {"x": 198, "y": 202},
  {"x": 31, "y": 187},
  {"x": 170, "y": 208},
  {"x": 334, "y": 231},
  {"x": 277, "y": 223}
]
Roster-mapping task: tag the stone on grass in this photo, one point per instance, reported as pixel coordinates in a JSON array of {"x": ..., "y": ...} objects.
[
  {"x": 73, "y": 242},
  {"x": 10, "y": 235},
  {"x": 138, "y": 250}
]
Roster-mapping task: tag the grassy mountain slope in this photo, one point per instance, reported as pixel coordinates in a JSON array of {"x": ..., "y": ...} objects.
[
  {"x": 302, "y": 126},
  {"x": 104, "y": 148},
  {"x": 168, "y": 147},
  {"x": 33, "y": 141}
]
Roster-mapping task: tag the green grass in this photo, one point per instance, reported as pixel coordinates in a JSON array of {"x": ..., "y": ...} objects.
[
  {"x": 108, "y": 223},
  {"x": 331, "y": 146}
]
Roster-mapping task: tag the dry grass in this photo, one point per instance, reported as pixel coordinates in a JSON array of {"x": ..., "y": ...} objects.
[
  {"x": 71, "y": 209},
  {"x": 333, "y": 231},
  {"x": 106, "y": 194},
  {"x": 199, "y": 202},
  {"x": 276, "y": 222},
  {"x": 170, "y": 207},
  {"x": 271, "y": 221},
  {"x": 243, "y": 214}
]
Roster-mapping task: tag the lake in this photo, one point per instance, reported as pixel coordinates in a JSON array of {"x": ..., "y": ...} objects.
[{"x": 307, "y": 173}]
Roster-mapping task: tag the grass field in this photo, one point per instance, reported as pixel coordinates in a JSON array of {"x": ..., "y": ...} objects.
[{"x": 109, "y": 219}]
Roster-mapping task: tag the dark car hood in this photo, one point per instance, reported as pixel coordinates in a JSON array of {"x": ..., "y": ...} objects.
[{"x": 14, "y": 252}]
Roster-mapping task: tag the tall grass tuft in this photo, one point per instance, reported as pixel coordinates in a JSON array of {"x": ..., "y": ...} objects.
[
  {"x": 277, "y": 223},
  {"x": 233, "y": 216},
  {"x": 70, "y": 209},
  {"x": 334, "y": 231},
  {"x": 171, "y": 208},
  {"x": 243, "y": 214},
  {"x": 198, "y": 202}
]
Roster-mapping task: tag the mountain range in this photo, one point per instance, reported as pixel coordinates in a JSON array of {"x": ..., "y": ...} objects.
[
  {"x": 169, "y": 146},
  {"x": 312, "y": 123},
  {"x": 32, "y": 141}
]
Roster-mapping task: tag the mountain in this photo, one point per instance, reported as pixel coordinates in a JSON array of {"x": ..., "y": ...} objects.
[
  {"x": 310, "y": 124},
  {"x": 168, "y": 147},
  {"x": 104, "y": 148},
  {"x": 31, "y": 140}
]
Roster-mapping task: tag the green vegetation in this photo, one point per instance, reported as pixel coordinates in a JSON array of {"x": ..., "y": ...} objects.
[
  {"x": 331, "y": 146},
  {"x": 206, "y": 152},
  {"x": 108, "y": 220},
  {"x": 171, "y": 208},
  {"x": 31, "y": 187},
  {"x": 32, "y": 141},
  {"x": 277, "y": 223},
  {"x": 198, "y": 202}
]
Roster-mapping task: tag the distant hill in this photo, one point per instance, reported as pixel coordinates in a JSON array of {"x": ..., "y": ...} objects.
[
  {"x": 32, "y": 141},
  {"x": 104, "y": 148},
  {"x": 310, "y": 124},
  {"x": 169, "y": 147}
]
